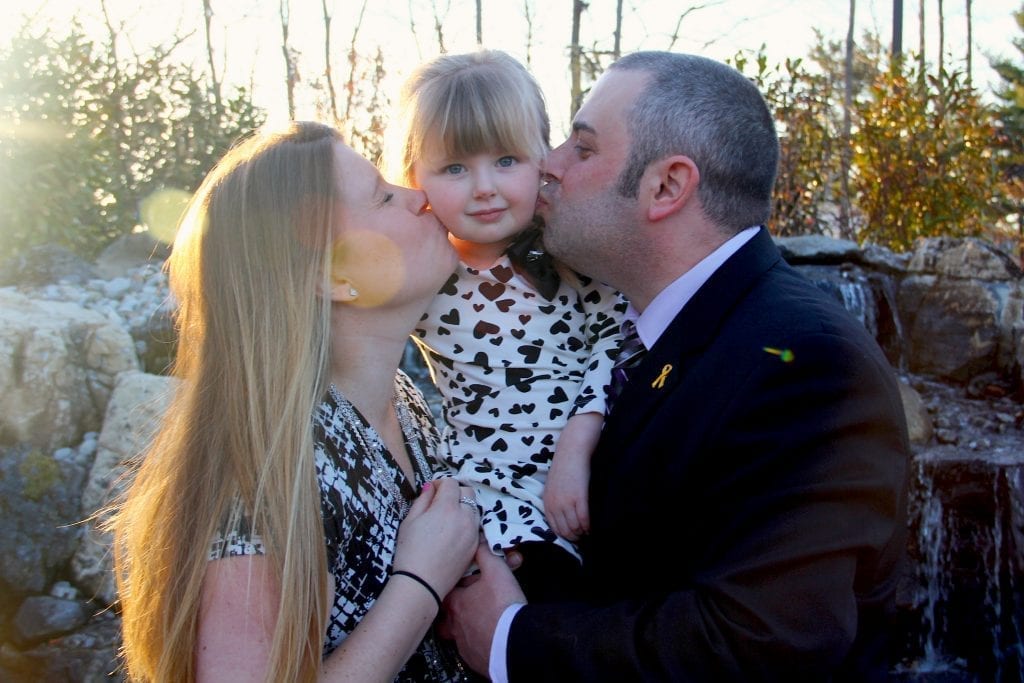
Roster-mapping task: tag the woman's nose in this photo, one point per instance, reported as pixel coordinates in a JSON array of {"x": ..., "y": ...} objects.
[{"x": 418, "y": 203}]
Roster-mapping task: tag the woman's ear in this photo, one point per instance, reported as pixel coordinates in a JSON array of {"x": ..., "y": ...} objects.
[
  {"x": 670, "y": 183},
  {"x": 342, "y": 290}
]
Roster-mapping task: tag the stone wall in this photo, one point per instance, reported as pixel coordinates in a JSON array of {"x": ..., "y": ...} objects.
[{"x": 81, "y": 391}]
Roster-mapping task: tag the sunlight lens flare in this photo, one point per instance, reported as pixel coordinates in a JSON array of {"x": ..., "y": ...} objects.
[{"x": 162, "y": 210}]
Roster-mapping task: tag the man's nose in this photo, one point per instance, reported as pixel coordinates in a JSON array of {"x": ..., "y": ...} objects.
[{"x": 553, "y": 164}]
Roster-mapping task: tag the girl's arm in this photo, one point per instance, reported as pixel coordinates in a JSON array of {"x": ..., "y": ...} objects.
[{"x": 565, "y": 491}]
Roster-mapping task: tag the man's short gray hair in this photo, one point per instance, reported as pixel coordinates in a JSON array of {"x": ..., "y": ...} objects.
[{"x": 711, "y": 113}]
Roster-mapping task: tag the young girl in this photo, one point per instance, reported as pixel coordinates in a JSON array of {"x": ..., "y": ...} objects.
[{"x": 520, "y": 348}]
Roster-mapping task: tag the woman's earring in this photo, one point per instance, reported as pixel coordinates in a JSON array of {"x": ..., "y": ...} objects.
[{"x": 352, "y": 292}]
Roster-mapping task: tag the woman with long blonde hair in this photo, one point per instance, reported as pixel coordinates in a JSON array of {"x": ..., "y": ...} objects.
[{"x": 260, "y": 539}]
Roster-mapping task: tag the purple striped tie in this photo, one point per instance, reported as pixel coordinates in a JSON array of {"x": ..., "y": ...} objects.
[{"x": 631, "y": 352}]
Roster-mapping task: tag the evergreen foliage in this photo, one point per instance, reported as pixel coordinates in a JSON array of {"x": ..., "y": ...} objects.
[
  {"x": 1009, "y": 141},
  {"x": 86, "y": 137}
]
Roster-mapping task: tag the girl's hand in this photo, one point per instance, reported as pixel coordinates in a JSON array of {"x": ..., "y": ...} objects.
[{"x": 566, "y": 506}]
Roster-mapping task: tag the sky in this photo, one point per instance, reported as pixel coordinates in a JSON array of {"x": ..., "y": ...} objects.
[{"x": 247, "y": 33}]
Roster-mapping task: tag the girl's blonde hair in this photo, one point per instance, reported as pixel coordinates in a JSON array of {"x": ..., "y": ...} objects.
[
  {"x": 252, "y": 253},
  {"x": 468, "y": 104}
]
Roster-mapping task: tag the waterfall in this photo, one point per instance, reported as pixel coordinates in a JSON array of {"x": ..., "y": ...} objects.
[{"x": 968, "y": 552}]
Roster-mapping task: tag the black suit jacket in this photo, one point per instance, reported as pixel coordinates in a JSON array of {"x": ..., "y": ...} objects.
[{"x": 770, "y": 463}]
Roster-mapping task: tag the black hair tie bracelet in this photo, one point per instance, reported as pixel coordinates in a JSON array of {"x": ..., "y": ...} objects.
[{"x": 417, "y": 579}]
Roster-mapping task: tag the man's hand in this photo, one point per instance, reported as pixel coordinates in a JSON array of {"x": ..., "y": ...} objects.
[{"x": 473, "y": 607}]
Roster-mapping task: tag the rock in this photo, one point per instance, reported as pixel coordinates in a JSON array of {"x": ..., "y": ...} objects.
[
  {"x": 954, "y": 329},
  {"x": 884, "y": 260},
  {"x": 43, "y": 265},
  {"x": 136, "y": 407},
  {"x": 129, "y": 252},
  {"x": 817, "y": 249},
  {"x": 58, "y": 364},
  {"x": 42, "y": 617},
  {"x": 919, "y": 424},
  {"x": 39, "y": 516},
  {"x": 967, "y": 258},
  {"x": 89, "y": 655}
]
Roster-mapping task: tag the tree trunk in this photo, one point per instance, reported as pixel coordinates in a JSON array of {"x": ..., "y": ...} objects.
[
  {"x": 207, "y": 20},
  {"x": 897, "y": 32},
  {"x": 617, "y": 49},
  {"x": 479, "y": 23},
  {"x": 970, "y": 46},
  {"x": 845, "y": 227},
  {"x": 332, "y": 94},
  {"x": 942, "y": 39},
  {"x": 575, "y": 88},
  {"x": 291, "y": 75},
  {"x": 920, "y": 34}
]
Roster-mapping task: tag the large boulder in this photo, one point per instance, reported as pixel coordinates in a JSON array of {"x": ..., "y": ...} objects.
[
  {"x": 39, "y": 515},
  {"x": 961, "y": 306},
  {"x": 133, "y": 415},
  {"x": 58, "y": 365}
]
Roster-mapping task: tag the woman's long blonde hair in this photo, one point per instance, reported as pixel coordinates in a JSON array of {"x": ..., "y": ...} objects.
[{"x": 250, "y": 257}]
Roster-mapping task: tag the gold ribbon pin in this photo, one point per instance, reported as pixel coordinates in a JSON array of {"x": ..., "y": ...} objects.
[
  {"x": 659, "y": 381},
  {"x": 784, "y": 354}
]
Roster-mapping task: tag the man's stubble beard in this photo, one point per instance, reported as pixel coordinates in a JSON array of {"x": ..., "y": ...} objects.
[{"x": 590, "y": 234}]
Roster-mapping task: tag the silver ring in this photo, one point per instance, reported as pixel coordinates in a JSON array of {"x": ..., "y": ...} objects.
[{"x": 468, "y": 501}]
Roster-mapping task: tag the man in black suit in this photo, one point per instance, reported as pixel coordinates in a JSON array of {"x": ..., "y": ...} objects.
[{"x": 760, "y": 442}]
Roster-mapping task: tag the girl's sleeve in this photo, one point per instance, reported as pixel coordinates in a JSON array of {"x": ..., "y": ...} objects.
[{"x": 603, "y": 308}]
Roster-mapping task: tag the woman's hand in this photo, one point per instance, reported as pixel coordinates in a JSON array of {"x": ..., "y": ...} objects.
[{"x": 439, "y": 536}]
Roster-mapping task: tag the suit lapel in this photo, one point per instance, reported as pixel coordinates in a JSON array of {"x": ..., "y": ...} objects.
[{"x": 692, "y": 330}]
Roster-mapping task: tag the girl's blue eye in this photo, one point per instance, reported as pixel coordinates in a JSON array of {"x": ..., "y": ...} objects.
[
  {"x": 506, "y": 161},
  {"x": 453, "y": 169}
]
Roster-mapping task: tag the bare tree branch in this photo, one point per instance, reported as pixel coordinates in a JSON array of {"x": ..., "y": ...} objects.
[
  {"x": 415, "y": 35},
  {"x": 353, "y": 59},
  {"x": 439, "y": 25},
  {"x": 528, "y": 15}
]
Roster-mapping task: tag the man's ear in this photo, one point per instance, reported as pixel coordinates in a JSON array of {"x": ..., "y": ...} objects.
[{"x": 670, "y": 183}]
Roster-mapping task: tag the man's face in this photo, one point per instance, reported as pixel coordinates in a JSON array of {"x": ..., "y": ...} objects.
[{"x": 587, "y": 220}]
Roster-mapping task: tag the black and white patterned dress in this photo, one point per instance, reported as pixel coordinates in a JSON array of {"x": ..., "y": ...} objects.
[
  {"x": 361, "y": 516},
  {"x": 512, "y": 367}
]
